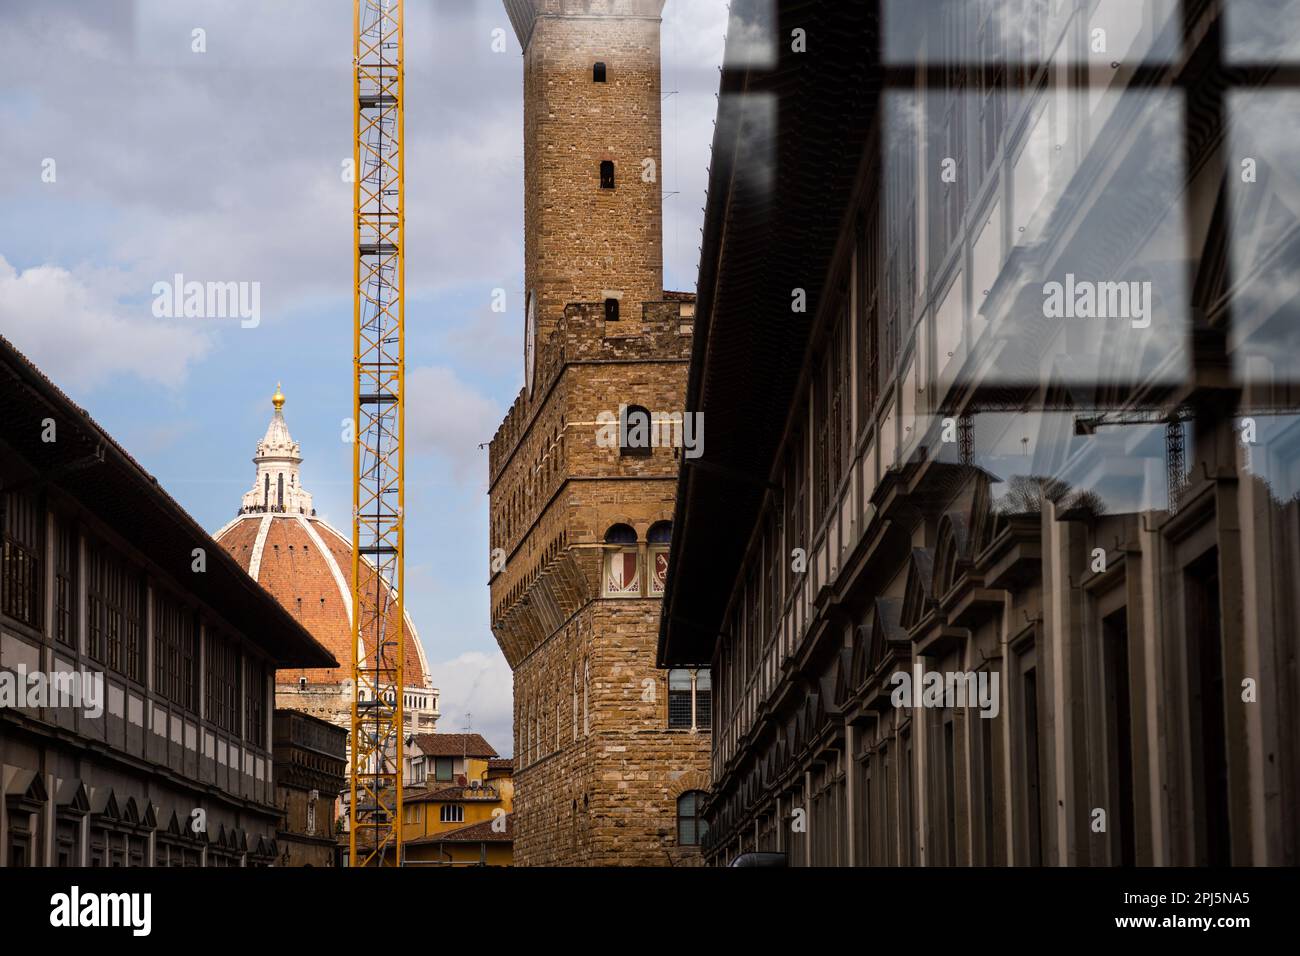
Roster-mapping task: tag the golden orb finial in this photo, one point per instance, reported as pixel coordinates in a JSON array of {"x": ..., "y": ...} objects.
[{"x": 278, "y": 398}]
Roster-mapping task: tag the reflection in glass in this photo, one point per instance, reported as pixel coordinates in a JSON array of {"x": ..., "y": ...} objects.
[{"x": 1264, "y": 199}]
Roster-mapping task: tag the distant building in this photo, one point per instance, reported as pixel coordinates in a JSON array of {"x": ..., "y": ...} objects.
[
  {"x": 580, "y": 517},
  {"x": 458, "y": 803},
  {"x": 310, "y": 773},
  {"x": 993, "y": 549},
  {"x": 104, "y": 577},
  {"x": 307, "y": 564}
]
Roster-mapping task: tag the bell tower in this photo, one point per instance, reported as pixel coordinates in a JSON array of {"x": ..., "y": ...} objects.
[
  {"x": 593, "y": 218},
  {"x": 580, "y": 525}
]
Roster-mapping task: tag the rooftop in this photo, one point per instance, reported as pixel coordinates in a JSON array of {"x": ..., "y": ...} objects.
[
  {"x": 474, "y": 833},
  {"x": 453, "y": 745},
  {"x": 87, "y": 464}
]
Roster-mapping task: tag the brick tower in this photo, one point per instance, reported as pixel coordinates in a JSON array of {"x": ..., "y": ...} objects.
[{"x": 579, "y": 525}]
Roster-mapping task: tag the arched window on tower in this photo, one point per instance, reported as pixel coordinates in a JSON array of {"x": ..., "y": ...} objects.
[
  {"x": 586, "y": 697},
  {"x": 598, "y": 72},
  {"x": 635, "y": 431},
  {"x": 575, "y": 703},
  {"x": 266, "y": 492},
  {"x": 279, "y": 492},
  {"x": 660, "y": 533},
  {"x": 622, "y": 567},
  {"x": 606, "y": 174}
]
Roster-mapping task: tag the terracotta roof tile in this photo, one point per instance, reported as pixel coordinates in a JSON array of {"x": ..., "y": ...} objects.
[
  {"x": 474, "y": 833},
  {"x": 454, "y": 745},
  {"x": 294, "y": 569}
]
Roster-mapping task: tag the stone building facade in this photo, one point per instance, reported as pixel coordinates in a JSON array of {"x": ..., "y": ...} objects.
[
  {"x": 108, "y": 585},
  {"x": 579, "y": 521},
  {"x": 985, "y": 581},
  {"x": 310, "y": 770}
]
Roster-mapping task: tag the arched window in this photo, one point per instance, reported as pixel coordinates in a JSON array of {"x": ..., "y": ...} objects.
[
  {"x": 279, "y": 492},
  {"x": 527, "y": 737},
  {"x": 521, "y": 735},
  {"x": 660, "y": 533},
  {"x": 598, "y": 72},
  {"x": 606, "y": 174},
  {"x": 575, "y": 703},
  {"x": 691, "y": 827},
  {"x": 622, "y": 571},
  {"x": 611, "y": 310},
  {"x": 586, "y": 697},
  {"x": 620, "y": 534},
  {"x": 635, "y": 431},
  {"x": 266, "y": 492}
]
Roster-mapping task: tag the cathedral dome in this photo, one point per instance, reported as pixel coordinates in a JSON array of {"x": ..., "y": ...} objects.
[{"x": 307, "y": 565}]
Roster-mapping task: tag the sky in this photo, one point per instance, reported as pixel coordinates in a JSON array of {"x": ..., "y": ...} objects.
[{"x": 131, "y": 156}]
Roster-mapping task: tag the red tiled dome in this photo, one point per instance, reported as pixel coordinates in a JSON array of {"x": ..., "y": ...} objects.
[
  {"x": 307, "y": 565},
  {"x": 304, "y": 562}
]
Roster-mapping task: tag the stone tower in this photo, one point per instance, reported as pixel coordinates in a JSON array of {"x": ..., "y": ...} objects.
[{"x": 579, "y": 523}]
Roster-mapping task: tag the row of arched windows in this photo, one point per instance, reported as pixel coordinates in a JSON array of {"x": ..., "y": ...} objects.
[
  {"x": 541, "y": 727},
  {"x": 279, "y": 491},
  {"x": 538, "y": 480},
  {"x": 623, "y": 574}
]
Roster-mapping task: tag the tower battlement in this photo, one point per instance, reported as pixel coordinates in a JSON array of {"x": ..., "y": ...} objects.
[
  {"x": 524, "y": 13},
  {"x": 584, "y": 335}
]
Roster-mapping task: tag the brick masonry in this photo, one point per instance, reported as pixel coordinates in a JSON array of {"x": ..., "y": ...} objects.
[{"x": 598, "y": 772}]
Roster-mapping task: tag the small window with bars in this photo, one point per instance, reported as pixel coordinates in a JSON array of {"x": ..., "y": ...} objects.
[
  {"x": 703, "y": 700},
  {"x": 690, "y": 699},
  {"x": 679, "y": 700}
]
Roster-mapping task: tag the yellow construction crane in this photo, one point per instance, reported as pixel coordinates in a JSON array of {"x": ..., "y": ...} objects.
[{"x": 379, "y": 358}]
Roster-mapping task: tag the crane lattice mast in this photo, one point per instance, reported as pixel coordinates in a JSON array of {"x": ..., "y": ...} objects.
[{"x": 377, "y": 455}]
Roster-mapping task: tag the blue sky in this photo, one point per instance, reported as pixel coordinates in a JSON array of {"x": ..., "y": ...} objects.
[{"x": 225, "y": 166}]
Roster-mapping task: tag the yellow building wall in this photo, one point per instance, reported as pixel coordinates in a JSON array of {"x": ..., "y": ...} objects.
[{"x": 425, "y": 819}]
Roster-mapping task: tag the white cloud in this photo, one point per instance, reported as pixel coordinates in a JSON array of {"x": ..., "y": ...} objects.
[
  {"x": 450, "y": 418},
  {"x": 478, "y": 684},
  {"x": 79, "y": 335}
]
